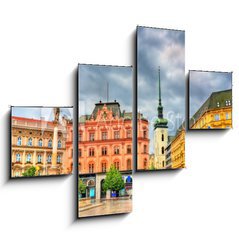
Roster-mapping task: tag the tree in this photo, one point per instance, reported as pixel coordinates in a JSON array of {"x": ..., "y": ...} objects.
[
  {"x": 81, "y": 187},
  {"x": 30, "y": 172},
  {"x": 113, "y": 180},
  {"x": 152, "y": 166}
]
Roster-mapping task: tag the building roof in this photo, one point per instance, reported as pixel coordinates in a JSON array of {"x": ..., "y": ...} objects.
[
  {"x": 215, "y": 100},
  {"x": 179, "y": 130},
  {"x": 114, "y": 106},
  {"x": 31, "y": 120}
]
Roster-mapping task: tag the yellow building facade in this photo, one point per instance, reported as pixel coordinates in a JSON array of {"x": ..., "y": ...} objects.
[
  {"x": 178, "y": 149},
  {"x": 33, "y": 143},
  {"x": 215, "y": 113}
]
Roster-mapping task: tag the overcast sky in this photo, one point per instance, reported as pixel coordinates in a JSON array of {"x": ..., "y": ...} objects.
[
  {"x": 202, "y": 84},
  {"x": 38, "y": 112},
  {"x": 165, "y": 49},
  {"x": 93, "y": 86}
]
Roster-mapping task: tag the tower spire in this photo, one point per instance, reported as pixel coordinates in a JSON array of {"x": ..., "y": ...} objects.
[
  {"x": 107, "y": 91},
  {"x": 160, "y": 107}
]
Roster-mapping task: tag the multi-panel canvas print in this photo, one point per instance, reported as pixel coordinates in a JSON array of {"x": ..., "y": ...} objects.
[
  {"x": 210, "y": 100},
  {"x": 41, "y": 141},
  {"x": 161, "y": 99},
  {"x": 105, "y": 140}
]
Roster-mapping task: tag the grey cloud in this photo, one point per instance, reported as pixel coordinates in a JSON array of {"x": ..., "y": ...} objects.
[
  {"x": 203, "y": 83},
  {"x": 164, "y": 48},
  {"x": 93, "y": 86}
]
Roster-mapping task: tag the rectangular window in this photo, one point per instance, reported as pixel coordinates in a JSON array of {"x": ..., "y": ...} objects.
[
  {"x": 80, "y": 137},
  {"x": 128, "y": 133},
  {"x": 145, "y": 134},
  {"x": 91, "y": 152},
  {"x": 80, "y": 153},
  {"x": 116, "y": 165},
  {"x": 145, "y": 148},
  {"x": 227, "y": 116},
  {"x": 116, "y": 135},
  {"x": 104, "y": 135},
  {"x": 91, "y": 168},
  {"x": 128, "y": 149},
  {"x": 217, "y": 117},
  {"x": 92, "y": 137},
  {"x": 103, "y": 167},
  {"x": 104, "y": 151},
  {"x": 116, "y": 150}
]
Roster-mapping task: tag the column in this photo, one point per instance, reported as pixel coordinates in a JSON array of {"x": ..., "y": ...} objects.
[{"x": 54, "y": 146}]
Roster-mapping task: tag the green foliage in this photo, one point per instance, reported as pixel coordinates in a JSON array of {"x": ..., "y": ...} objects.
[
  {"x": 152, "y": 167},
  {"x": 30, "y": 172},
  {"x": 81, "y": 187},
  {"x": 113, "y": 180}
]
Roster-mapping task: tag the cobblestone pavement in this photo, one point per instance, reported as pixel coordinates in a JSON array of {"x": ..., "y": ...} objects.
[{"x": 109, "y": 207}]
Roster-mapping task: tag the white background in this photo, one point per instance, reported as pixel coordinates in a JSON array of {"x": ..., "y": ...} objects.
[{"x": 41, "y": 43}]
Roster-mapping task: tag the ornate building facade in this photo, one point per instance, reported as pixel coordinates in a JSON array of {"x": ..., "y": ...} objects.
[
  {"x": 105, "y": 139},
  {"x": 177, "y": 148},
  {"x": 216, "y": 112},
  {"x": 143, "y": 161},
  {"x": 43, "y": 144}
]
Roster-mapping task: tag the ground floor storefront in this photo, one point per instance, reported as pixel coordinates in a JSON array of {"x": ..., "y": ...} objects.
[{"x": 96, "y": 201}]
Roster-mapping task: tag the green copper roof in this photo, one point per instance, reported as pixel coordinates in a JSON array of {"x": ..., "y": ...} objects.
[
  {"x": 160, "y": 123},
  {"x": 215, "y": 100}
]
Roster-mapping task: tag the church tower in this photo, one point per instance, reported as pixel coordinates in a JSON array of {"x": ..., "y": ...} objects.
[{"x": 160, "y": 136}]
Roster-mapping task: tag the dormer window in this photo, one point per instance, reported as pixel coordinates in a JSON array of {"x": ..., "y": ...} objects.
[{"x": 228, "y": 102}]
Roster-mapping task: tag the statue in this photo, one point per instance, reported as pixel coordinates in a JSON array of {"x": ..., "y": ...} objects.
[{"x": 56, "y": 114}]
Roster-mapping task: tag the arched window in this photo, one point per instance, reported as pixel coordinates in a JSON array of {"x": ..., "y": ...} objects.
[
  {"x": 116, "y": 164},
  {"x": 129, "y": 164},
  {"x": 145, "y": 164},
  {"x": 91, "y": 152},
  {"x": 50, "y": 143},
  {"x": 162, "y": 150},
  {"x": 59, "y": 144},
  {"x": 91, "y": 167},
  {"x": 29, "y": 142},
  {"x": 162, "y": 137},
  {"x": 49, "y": 157},
  {"x": 29, "y": 158},
  {"x": 19, "y": 141},
  {"x": 18, "y": 157},
  {"x": 103, "y": 166},
  {"x": 39, "y": 158},
  {"x": 58, "y": 159},
  {"x": 116, "y": 150},
  {"x": 40, "y": 143}
]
